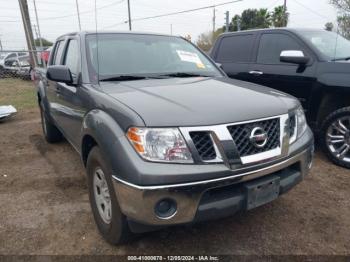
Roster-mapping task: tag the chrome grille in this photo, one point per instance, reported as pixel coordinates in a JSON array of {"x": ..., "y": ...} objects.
[
  {"x": 292, "y": 126},
  {"x": 204, "y": 145},
  {"x": 241, "y": 133}
]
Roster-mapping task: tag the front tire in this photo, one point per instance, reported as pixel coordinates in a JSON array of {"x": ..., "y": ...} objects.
[
  {"x": 109, "y": 219},
  {"x": 335, "y": 137}
]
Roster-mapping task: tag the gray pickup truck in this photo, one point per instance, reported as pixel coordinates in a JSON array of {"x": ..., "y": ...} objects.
[{"x": 165, "y": 136}]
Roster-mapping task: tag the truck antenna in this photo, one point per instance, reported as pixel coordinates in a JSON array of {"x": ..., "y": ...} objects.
[{"x": 97, "y": 56}]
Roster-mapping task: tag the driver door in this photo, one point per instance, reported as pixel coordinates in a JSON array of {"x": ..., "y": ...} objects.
[{"x": 268, "y": 70}]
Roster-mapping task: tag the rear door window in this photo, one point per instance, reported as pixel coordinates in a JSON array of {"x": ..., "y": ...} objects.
[
  {"x": 271, "y": 46},
  {"x": 236, "y": 49}
]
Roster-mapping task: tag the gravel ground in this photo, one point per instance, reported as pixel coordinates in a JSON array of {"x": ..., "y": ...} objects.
[{"x": 45, "y": 209}]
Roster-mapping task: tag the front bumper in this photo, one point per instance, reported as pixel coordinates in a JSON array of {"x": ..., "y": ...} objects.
[{"x": 211, "y": 198}]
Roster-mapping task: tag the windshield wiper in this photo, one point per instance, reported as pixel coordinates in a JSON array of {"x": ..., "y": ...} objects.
[
  {"x": 342, "y": 59},
  {"x": 184, "y": 74},
  {"x": 124, "y": 78}
]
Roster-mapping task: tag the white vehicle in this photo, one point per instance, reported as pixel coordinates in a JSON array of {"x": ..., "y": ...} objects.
[{"x": 11, "y": 55}]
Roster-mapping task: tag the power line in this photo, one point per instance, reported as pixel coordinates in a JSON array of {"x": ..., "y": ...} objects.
[
  {"x": 84, "y": 12},
  {"x": 311, "y": 10},
  {"x": 176, "y": 13}
]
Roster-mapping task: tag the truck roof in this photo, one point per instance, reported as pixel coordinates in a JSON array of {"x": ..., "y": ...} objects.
[
  {"x": 294, "y": 30},
  {"x": 82, "y": 33}
]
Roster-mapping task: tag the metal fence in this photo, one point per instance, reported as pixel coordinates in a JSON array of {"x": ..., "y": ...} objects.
[{"x": 20, "y": 63}]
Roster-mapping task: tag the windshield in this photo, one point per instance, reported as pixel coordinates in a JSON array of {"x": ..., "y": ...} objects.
[
  {"x": 146, "y": 55},
  {"x": 330, "y": 44}
]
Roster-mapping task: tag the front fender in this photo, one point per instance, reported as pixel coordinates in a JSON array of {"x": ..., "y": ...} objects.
[
  {"x": 108, "y": 135},
  {"x": 42, "y": 95}
]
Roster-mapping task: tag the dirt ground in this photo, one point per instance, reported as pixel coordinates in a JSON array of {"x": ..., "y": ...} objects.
[{"x": 45, "y": 208}]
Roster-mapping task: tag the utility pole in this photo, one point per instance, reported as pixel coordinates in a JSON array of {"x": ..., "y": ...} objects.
[
  {"x": 238, "y": 24},
  {"x": 227, "y": 16},
  {"x": 285, "y": 12},
  {"x": 214, "y": 20},
  {"x": 38, "y": 32},
  {"x": 78, "y": 13},
  {"x": 0, "y": 44},
  {"x": 23, "y": 5},
  {"x": 129, "y": 13},
  {"x": 171, "y": 29}
]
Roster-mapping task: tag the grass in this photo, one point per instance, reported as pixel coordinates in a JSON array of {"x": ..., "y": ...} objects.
[{"x": 19, "y": 93}]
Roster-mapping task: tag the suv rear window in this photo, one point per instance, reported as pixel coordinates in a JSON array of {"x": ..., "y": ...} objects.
[{"x": 236, "y": 48}]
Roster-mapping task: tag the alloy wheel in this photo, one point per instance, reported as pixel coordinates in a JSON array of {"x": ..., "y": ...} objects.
[
  {"x": 338, "y": 139},
  {"x": 102, "y": 196}
]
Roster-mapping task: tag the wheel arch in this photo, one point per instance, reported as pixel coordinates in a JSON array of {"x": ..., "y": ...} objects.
[
  {"x": 329, "y": 103},
  {"x": 99, "y": 129}
]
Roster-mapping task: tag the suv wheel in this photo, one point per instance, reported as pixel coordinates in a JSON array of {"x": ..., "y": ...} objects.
[
  {"x": 336, "y": 137},
  {"x": 109, "y": 219},
  {"x": 51, "y": 133}
]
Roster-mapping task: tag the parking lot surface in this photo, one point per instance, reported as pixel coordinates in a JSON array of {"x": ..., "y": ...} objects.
[{"x": 45, "y": 207}]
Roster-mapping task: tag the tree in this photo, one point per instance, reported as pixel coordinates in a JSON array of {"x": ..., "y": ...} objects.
[
  {"x": 343, "y": 5},
  {"x": 344, "y": 25},
  {"x": 263, "y": 18},
  {"x": 234, "y": 23},
  {"x": 343, "y": 19},
  {"x": 329, "y": 26},
  {"x": 279, "y": 17},
  {"x": 46, "y": 42},
  {"x": 206, "y": 40},
  {"x": 254, "y": 18}
]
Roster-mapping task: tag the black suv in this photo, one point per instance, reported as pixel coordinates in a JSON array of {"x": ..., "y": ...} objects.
[{"x": 312, "y": 65}]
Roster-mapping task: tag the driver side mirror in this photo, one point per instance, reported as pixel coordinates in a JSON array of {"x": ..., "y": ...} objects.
[
  {"x": 294, "y": 57},
  {"x": 59, "y": 73}
]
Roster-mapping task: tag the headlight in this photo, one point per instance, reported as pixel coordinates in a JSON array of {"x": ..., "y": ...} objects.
[
  {"x": 160, "y": 144},
  {"x": 301, "y": 121},
  {"x": 297, "y": 125}
]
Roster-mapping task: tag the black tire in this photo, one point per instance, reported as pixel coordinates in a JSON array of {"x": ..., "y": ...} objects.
[
  {"x": 327, "y": 123},
  {"x": 117, "y": 231},
  {"x": 51, "y": 133}
]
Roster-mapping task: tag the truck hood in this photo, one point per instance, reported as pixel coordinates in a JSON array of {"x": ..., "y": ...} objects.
[{"x": 198, "y": 101}]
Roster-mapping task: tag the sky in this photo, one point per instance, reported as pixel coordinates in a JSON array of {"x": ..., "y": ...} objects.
[{"x": 59, "y": 17}]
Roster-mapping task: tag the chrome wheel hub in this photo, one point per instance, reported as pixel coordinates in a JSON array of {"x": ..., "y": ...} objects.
[
  {"x": 102, "y": 196},
  {"x": 338, "y": 138}
]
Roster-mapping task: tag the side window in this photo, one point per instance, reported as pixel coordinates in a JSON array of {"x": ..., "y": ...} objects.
[
  {"x": 271, "y": 46},
  {"x": 235, "y": 48},
  {"x": 58, "y": 53},
  {"x": 12, "y": 55},
  {"x": 72, "y": 56}
]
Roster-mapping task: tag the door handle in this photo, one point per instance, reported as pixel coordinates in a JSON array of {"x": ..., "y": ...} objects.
[{"x": 256, "y": 73}]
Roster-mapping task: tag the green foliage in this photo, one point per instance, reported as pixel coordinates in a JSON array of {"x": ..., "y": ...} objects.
[
  {"x": 279, "y": 17},
  {"x": 342, "y": 5},
  {"x": 254, "y": 18},
  {"x": 249, "y": 19},
  {"x": 206, "y": 40},
  {"x": 343, "y": 19},
  {"x": 344, "y": 25},
  {"x": 46, "y": 42},
  {"x": 259, "y": 18},
  {"x": 329, "y": 26}
]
